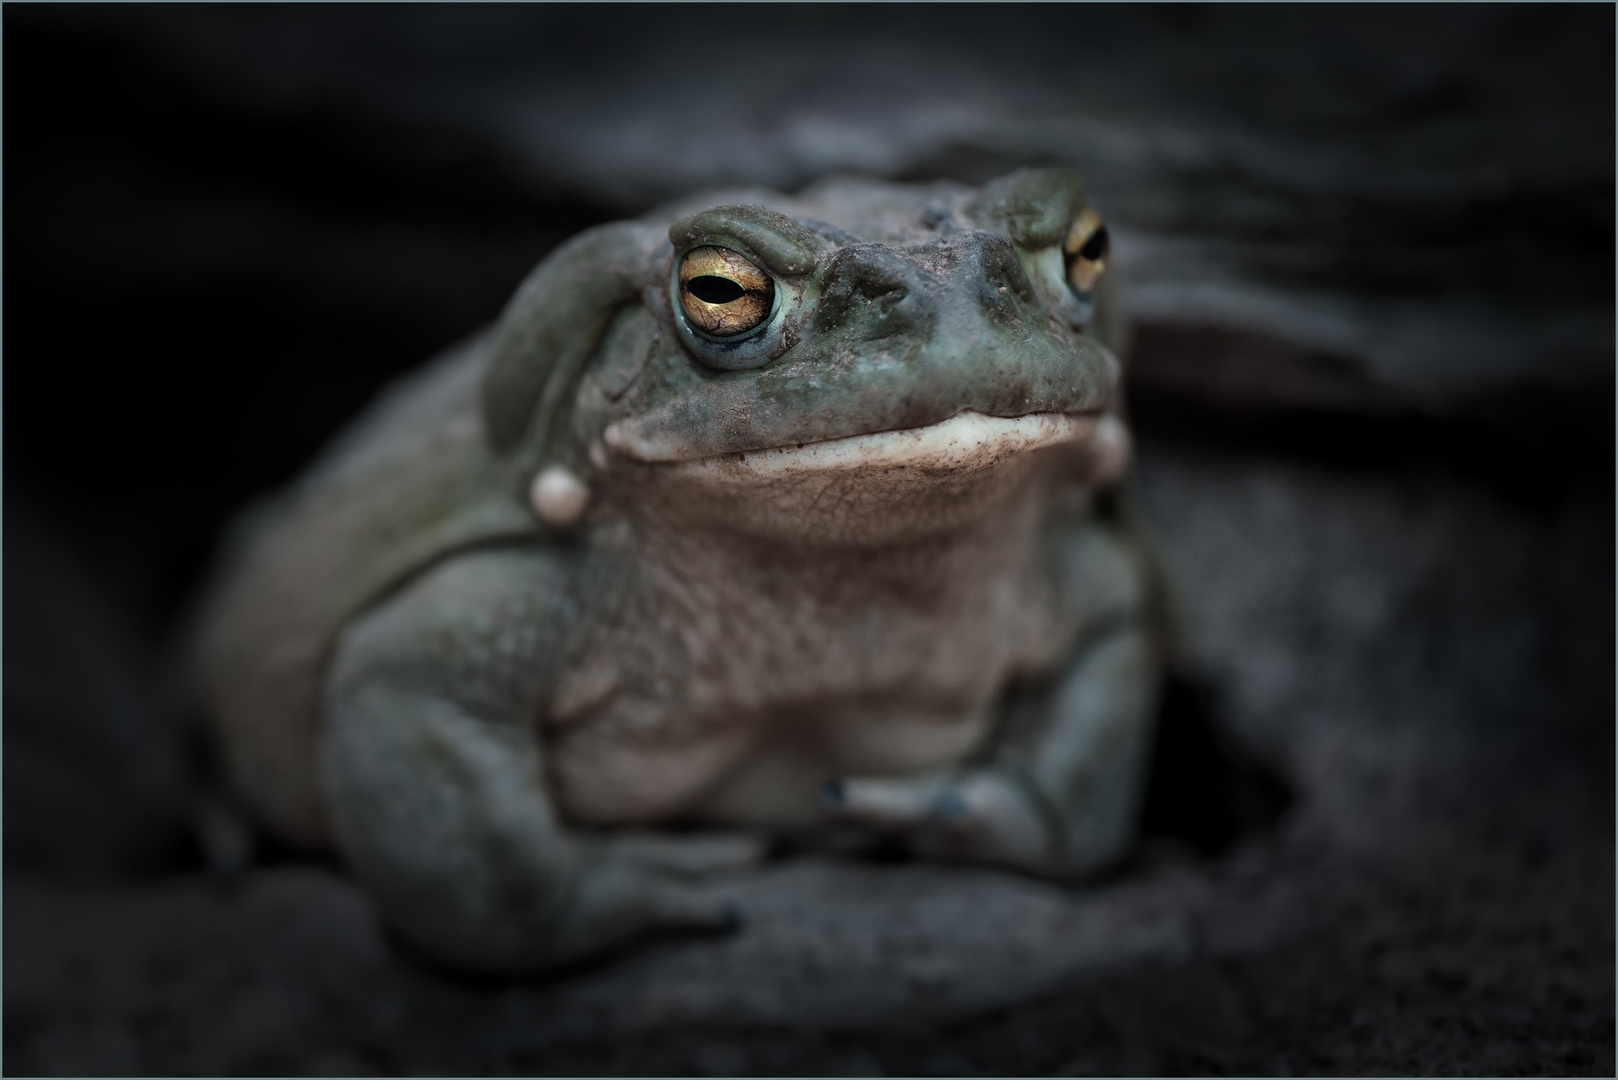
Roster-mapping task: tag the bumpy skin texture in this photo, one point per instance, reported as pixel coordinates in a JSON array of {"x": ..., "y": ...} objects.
[{"x": 866, "y": 572}]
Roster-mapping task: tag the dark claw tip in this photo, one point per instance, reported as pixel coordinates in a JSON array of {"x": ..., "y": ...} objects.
[
  {"x": 833, "y": 794},
  {"x": 951, "y": 805}
]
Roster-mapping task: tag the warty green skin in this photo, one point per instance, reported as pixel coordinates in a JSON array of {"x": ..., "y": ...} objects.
[{"x": 495, "y": 718}]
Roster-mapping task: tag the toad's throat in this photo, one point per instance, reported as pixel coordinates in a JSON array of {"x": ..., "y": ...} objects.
[{"x": 966, "y": 441}]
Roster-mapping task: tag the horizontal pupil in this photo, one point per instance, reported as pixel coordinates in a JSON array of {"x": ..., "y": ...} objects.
[
  {"x": 714, "y": 290},
  {"x": 1096, "y": 246}
]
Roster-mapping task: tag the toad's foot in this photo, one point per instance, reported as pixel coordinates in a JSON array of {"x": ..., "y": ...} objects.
[
  {"x": 979, "y": 815},
  {"x": 636, "y": 883}
]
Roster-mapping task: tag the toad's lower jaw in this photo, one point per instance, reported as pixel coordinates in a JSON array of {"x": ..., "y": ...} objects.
[{"x": 963, "y": 443}]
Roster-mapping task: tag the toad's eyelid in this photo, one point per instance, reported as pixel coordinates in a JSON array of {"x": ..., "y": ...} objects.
[{"x": 776, "y": 243}]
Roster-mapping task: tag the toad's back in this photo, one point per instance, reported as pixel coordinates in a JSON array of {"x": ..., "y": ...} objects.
[{"x": 405, "y": 487}]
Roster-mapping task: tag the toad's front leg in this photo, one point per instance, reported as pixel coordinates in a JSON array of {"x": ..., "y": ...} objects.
[
  {"x": 1058, "y": 792},
  {"x": 435, "y": 781}
]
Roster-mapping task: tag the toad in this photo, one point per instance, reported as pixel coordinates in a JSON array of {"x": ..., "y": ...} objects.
[{"x": 761, "y": 516}]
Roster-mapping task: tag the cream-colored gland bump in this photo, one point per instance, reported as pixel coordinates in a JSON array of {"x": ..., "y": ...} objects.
[
  {"x": 1110, "y": 448},
  {"x": 559, "y": 497}
]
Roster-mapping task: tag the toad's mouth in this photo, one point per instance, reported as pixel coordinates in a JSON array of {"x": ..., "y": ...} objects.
[{"x": 966, "y": 441}]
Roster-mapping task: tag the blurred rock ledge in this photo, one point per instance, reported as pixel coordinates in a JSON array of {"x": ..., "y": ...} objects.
[{"x": 1213, "y": 384}]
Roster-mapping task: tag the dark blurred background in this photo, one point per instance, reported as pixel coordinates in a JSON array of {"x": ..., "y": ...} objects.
[{"x": 1370, "y": 256}]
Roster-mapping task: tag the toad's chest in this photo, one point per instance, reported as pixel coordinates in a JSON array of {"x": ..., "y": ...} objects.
[{"x": 731, "y": 693}]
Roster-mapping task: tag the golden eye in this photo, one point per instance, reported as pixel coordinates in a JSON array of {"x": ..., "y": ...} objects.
[
  {"x": 722, "y": 293},
  {"x": 1086, "y": 249}
]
